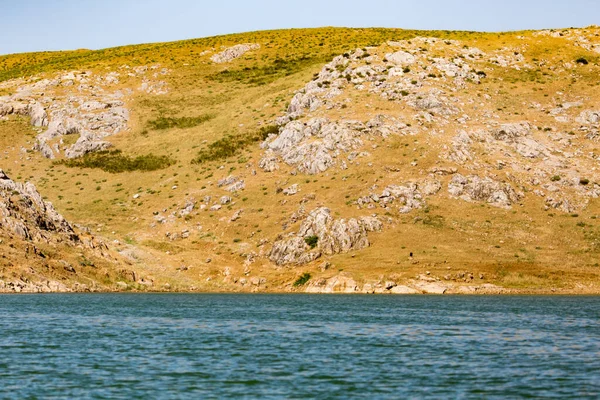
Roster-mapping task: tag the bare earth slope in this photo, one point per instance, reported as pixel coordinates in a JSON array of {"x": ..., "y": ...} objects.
[{"x": 325, "y": 160}]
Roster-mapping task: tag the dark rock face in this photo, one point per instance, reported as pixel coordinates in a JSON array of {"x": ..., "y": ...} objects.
[{"x": 23, "y": 213}]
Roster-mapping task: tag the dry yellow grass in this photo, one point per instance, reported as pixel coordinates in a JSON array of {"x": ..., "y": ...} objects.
[{"x": 526, "y": 248}]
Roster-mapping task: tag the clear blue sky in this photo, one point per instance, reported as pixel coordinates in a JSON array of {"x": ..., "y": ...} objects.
[{"x": 33, "y": 25}]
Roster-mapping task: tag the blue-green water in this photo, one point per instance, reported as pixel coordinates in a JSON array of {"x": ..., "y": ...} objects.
[{"x": 277, "y": 346}]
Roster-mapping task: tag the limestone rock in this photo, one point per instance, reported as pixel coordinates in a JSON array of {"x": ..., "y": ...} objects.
[
  {"x": 431, "y": 287},
  {"x": 336, "y": 284},
  {"x": 401, "y": 289},
  {"x": 269, "y": 162},
  {"x": 589, "y": 117},
  {"x": 38, "y": 115},
  {"x": 88, "y": 110},
  {"x": 85, "y": 145},
  {"x": 401, "y": 58},
  {"x": 237, "y": 215},
  {"x": 408, "y": 197},
  {"x": 313, "y": 146},
  {"x": 292, "y": 190},
  {"x": 232, "y": 184},
  {"x": 474, "y": 188},
  {"x": 327, "y": 235},
  {"x": 24, "y": 213},
  {"x": 234, "y": 52},
  {"x": 224, "y": 200},
  {"x": 511, "y": 131}
]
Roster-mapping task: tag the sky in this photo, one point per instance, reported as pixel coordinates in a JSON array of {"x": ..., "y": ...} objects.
[{"x": 37, "y": 25}]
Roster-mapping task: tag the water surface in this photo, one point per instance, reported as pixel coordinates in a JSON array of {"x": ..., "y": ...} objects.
[{"x": 287, "y": 346}]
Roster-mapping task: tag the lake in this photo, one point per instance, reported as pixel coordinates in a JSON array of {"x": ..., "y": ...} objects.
[{"x": 124, "y": 346}]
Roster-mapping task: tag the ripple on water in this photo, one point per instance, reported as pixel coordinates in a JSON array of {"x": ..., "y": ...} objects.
[{"x": 230, "y": 346}]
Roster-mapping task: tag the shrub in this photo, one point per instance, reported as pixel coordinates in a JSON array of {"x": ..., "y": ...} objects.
[
  {"x": 584, "y": 181},
  {"x": 312, "y": 241},
  {"x": 555, "y": 178},
  {"x": 114, "y": 162},
  {"x": 302, "y": 280}
]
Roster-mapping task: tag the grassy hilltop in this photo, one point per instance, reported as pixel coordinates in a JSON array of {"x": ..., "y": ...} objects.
[{"x": 210, "y": 123}]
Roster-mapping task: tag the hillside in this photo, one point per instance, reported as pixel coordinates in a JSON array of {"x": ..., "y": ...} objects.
[{"x": 320, "y": 160}]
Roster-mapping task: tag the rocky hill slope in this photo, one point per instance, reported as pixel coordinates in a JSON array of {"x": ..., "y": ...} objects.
[
  {"x": 41, "y": 251},
  {"x": 328, "y": 160}
]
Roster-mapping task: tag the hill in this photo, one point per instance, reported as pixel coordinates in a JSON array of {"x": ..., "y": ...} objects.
[{"x": 320, "y": 160}]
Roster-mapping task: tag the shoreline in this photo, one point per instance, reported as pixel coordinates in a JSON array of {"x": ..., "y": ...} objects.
[{"x": 505, "y": 293}]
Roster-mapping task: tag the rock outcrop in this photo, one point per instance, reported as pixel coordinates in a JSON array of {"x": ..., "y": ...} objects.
[
  {"x": 35, "y": 111},
  {"x": 25, "y": 215},
  {"x": 474, "y": 188},
  {"x": 232, "y": 184},
  {"x": 336, "y": 284},
  {"x": 421, "y": 284},
  {"x": 90, "y": 111},
  {"x": 234, "y": 52},
  {"x": 317, "y": 145},
  {"x": 321, "y": 234},
  {"x": 407, "y": 197}
]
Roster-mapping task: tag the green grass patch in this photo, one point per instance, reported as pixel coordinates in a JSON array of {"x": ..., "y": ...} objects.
[
  {"x": 302, "y": 280},
  {"x": 162, "y": 123},
  {"x": 114, "y": 161},
  {"x": 230, "y": 145},
  {"x": 262, "y": 75}
]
